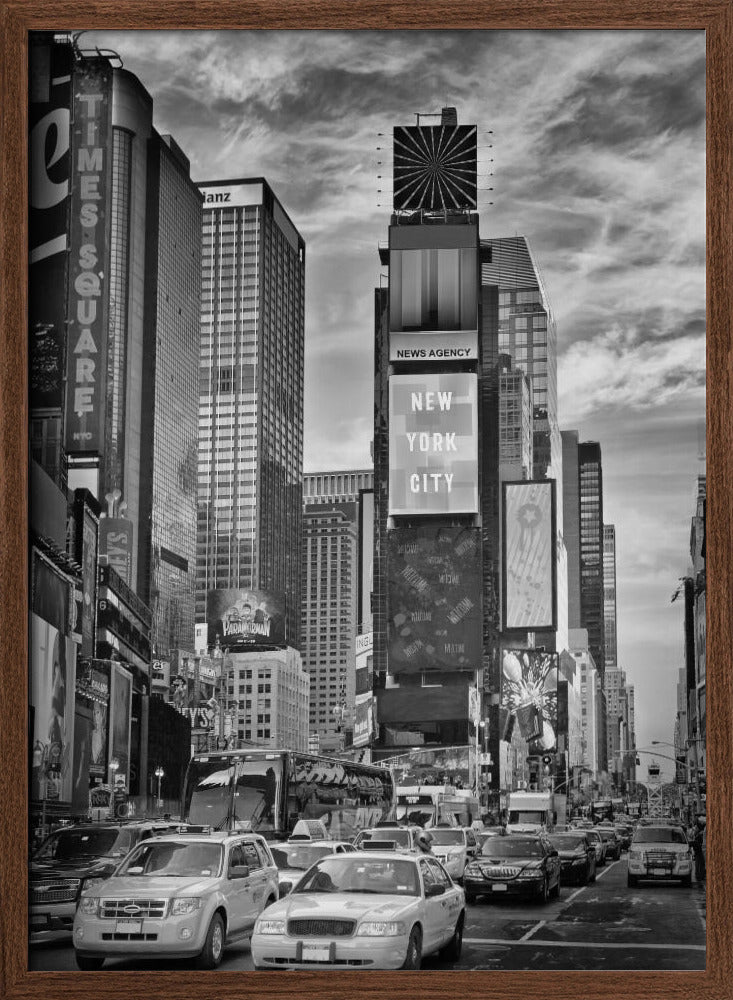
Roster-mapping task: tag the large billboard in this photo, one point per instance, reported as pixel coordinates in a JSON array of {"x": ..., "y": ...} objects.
[
  {"x": 246, "y": 619},
  {"x": 92, "y": 685},
  {"x": 435, "y": 167},
  {"x": 52, "y": 682},
  {"x": 434, "y": 599},
  {"x": 529, "y": 555},
  {"x": 433, "y": 443},
  {"x": 120, "y": 721},
  {"x": 49, "y": 162},
  {"x": 529, "y": 680},
  {"x": 88, "y": 264},
  {"x": 364, "y": 683}
]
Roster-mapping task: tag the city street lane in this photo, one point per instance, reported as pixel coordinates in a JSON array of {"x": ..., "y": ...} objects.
[{"x": 601, "y": 926}]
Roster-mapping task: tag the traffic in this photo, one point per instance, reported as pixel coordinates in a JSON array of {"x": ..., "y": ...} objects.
[{"x": 351, "y": 888}]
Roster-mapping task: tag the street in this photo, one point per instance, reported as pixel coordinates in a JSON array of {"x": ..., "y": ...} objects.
[{"x": 602, "y": 926}]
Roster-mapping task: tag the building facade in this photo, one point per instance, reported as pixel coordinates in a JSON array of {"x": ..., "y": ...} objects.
[
  {"x": 250, "y": 441},
  {"x": 267, "y": 698}
]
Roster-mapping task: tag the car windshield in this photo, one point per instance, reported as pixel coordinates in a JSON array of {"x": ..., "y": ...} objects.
[
  {"x": 363, "y": 875},
  {"x": 400, "y": 837},
  {"x": 659, "y": 835},
  {"x": 163, "y": 857},
  {"x": 447, "y": 838},
  {"x": 299, "y": 856},
  {"x": 607, "y": 834},
  {"x": 70, "y": 845},
  {"x": 567, "y": 843},
  {"x": 512, "y": 847}
]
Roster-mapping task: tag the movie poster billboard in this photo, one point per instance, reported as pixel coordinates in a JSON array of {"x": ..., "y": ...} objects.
[
  {"x": 246, "y": 619},
  {"x": 92, "y": 686},
  {"x": 434, "y": 599},
  {"x": 49, "y": 162},
  {"x": 52, "y": 682},
  {"x": 529, "y": 679},
  {"x": 82, "y": 753},
  {"x": 529, "y": 555},
  {"x": 433, "y": 443},
  {"x": 86, "y": 349},
  {"x": 120, "y": 721},
  {"x": 364, "y": 683}
]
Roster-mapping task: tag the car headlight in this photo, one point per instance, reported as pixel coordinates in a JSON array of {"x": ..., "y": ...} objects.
[
  {"x": 382, "y": 928},
  {"x": 184, "y": 904},
  {"x": 531, "y": 873},
  {"x": 91, "y": 883},
  {"x": 635, "y": 855},
  {"x": 270, "y": 927},
  {"x": 473, "y": 869},
  {"x": 88, "y": 904}
]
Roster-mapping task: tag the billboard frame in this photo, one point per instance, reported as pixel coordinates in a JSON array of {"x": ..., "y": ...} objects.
[{"x": 552, "y": 626}]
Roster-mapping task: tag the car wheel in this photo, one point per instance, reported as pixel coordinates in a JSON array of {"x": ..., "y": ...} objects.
[
  {"x": 89, "y": 963},
  {"x": 452, "y": 951},
  {"x": 687, "y": 880},
  {"x": 213, "y": 950},
  {"x": 631, "y": 881},
  {"x": 414, "y": 950},
  {"x": 544, "y": 892}
]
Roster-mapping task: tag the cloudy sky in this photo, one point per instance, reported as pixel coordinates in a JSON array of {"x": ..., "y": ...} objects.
[{"x": 593, "y": 143}]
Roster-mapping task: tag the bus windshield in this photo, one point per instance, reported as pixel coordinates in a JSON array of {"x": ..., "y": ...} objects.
[
  {"x": 250, "y": 805},
  {"x": 208, "y": 791}
]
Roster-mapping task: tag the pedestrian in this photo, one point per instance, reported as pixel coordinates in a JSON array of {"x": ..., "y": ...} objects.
[
  {"x": 423, "y": 842},
  {"x": 698, "y": 832}
]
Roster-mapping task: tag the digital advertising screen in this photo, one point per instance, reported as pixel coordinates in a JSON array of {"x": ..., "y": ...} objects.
[
  {"x": 434, "y": 599},
  {"x": 246, "y": 619},
  {"x": 529, "y": 679},
  {"x": 433, "y": 443},
  {"x": 529, "y": 555}
]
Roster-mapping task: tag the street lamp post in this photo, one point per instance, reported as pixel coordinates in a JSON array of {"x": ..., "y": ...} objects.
[{"x": 159, "y": 772}]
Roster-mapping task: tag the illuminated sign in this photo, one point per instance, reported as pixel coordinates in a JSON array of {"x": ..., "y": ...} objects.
[
  {"x": 433, "y": 347},
  {"x": 529, "y": 693},
  {"x": 245, "y": 619},
  {"x": 88, "y": 277},
  {"x": 115, "y": 545},
  {"x": 232, "y": 195},
  {"x": 433, "y": 443},
  {"x": 434, "y": 599},
  {"x": 529, "y": 555}
]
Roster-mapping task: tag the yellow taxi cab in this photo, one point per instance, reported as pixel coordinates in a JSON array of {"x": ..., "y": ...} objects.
[{"x": 367, "y": 910}]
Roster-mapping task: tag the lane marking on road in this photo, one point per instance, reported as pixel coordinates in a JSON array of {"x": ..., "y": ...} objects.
[
  {"x": 533, "y": 930},
  {"x": 493, "y": 942}
]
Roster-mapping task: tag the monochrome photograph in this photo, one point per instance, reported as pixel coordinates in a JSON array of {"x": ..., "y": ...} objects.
[{"x": 367, "y": 500}]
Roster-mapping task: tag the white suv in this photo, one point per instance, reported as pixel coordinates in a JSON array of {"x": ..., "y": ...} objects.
[
  {"x": 454, "y": 847},
  {"x": 177, "y": 896}
]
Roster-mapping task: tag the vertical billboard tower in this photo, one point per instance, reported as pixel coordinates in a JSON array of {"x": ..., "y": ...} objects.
[{"x": 428, "y": 547}]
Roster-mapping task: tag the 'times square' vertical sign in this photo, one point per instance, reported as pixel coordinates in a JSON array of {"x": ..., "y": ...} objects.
[
  {"x": 529, "y": 555},
  {"x": 88, "y": 266},
  {"x": 433, "y": 443}
]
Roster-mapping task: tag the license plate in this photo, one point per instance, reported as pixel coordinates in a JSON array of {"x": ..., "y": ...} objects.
[
  {"x": 498, "y": 888},
  {"x": 660, "y": 871},
  {"x": 129, "y": 927},
  {"x": 316, "y": 952}
]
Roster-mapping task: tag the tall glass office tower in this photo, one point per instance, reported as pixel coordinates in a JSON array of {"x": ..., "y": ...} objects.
[{"x": 250, "y": 457}]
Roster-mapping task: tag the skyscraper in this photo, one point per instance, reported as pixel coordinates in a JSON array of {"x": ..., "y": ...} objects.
[
  {"x": 250, "y": 455},
  {"x": 609, "y": 596},
  {"x": 330, "y": 610},
  {"x": 591, "y": 563}
]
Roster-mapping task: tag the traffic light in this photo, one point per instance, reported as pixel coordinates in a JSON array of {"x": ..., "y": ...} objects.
[{"x": 548, "y": 763}]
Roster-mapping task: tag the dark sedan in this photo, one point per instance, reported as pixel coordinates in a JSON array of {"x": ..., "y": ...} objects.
[
  {"x": 577, "y": 857},
  {"x": 612, "y": 842},
  {"x": 515, "y": 865}
]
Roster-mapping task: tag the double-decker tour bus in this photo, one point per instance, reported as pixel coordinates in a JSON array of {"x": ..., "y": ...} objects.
[{"x": 268, "y": 791}]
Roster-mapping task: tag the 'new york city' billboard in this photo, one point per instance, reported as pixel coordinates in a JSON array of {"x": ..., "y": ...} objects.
[
  {"x": 529, "y": 555},
  {"x": 245, "y": 619},
  {"x": 434, "y": 599},
  {"x": 433, "y": 443}
]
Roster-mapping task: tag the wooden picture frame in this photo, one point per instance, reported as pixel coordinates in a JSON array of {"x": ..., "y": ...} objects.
[{"x": 18, "y": 18}]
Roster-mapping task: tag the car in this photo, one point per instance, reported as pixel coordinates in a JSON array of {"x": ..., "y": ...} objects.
[
  {"x": 624, "y": 831},
  {"x": 179, "y": 896},
  {"x": 384, "y": 838},
  {"x": 516, "y": 865},
  {"x": 660, "y": 852},
  {"x": 612, "y": 842},
  {"x": 66, "y": 860},
  {"x": 577, "y": 856},
  {"x": 490, "y": 831},
  {"x": 599, "y": 844},
  {"x": 366, "y": 910},
  {"x": 294, "y": 857},
  {"x": 454, "y": 847}
]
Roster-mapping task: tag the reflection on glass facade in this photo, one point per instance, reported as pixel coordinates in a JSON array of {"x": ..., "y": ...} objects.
[
  {"x": 528, "y": 334},
  {"x": 250, "y": 450}
]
